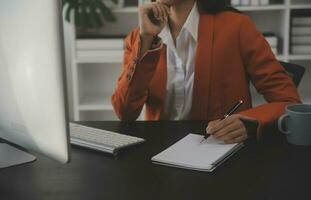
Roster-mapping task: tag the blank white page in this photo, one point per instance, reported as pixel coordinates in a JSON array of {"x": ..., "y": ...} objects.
[{"x": 190, "y": 153}]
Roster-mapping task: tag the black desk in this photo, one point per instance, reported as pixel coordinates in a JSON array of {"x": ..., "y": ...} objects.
[{"x": 271, "y": 169}]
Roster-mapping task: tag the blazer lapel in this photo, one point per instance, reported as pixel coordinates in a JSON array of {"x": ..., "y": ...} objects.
[{"x": 203, "y": 67}]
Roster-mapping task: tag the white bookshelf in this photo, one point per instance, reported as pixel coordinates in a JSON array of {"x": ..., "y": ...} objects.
[
  {"x": 262, "y": 8},
  {"x": 126, "y": 10},
  {"x": 92, "y": 79}
]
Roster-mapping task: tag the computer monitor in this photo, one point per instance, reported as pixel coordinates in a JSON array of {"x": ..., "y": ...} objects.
[{"x": 32, "y": 81}]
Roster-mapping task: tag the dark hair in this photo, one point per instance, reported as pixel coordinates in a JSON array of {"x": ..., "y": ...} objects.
[{"x": 215, "y": 6}]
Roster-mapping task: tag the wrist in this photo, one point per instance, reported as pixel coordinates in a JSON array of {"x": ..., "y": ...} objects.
[
  {"x": 146, "y": 41},
  {"x": 148, "y": 38},
  {"x": 149, "y": 42}
]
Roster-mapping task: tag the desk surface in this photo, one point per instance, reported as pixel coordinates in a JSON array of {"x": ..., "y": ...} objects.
[{"x": 270, "y": 169}]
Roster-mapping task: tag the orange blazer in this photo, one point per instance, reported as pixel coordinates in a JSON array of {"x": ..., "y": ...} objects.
[{"x": 230, "y": 54}]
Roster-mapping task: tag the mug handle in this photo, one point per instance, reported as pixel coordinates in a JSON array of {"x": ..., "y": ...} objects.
[{"x": 281, "y": 122}]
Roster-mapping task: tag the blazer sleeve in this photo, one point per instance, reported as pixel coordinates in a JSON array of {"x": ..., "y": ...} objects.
[
  {"x": 131, "y": 89},
  {"x": 267, "y": 75}
]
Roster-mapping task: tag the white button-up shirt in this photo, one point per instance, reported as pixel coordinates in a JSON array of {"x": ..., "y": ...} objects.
[{"x": 180, "y": 67}]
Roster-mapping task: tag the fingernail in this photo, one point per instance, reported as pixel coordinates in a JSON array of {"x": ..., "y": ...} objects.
[{"x": 209, "y": 130}]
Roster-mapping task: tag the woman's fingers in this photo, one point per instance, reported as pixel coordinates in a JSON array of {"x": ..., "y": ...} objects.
[
  {"x": 210, "y": 125},
  {"x": 152, "y": 19},
  {"x": 231, "y": 135},
  {"x": 162, "y": 11},
  {"x": 227, "y": 128},
  {"x": 220, "y": 125},
  {"x": 236, "y": 139},
  {"x": 230, "y": 130},
  {"x": 155, "y": 12}
]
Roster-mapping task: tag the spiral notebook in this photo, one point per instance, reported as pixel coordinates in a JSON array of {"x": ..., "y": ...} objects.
[{"x": 190, "y": 153}]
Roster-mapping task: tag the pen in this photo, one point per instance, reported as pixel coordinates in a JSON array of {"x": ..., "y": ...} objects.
[{"x": 230, "y": 112}]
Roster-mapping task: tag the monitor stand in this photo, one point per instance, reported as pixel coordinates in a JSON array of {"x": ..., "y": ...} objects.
[{"x": 11, "y": 156}]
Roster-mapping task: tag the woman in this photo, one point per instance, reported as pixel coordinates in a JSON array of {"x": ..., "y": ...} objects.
[{"x": 192, "y": 60}]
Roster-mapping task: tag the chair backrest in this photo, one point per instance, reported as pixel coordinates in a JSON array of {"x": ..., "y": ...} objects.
[{"x": 296, "y": 72}]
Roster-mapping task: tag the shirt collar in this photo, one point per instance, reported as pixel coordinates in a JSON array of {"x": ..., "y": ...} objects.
[
  {"x": 192, "y": 22},
  {"x": 191, "y": 25}
]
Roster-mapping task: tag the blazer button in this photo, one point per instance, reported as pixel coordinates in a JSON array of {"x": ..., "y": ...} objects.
[
  {"x": 128, "y": 77},
  {"x": 135, "y": 61},
  {"x": 132, "y": 69}
]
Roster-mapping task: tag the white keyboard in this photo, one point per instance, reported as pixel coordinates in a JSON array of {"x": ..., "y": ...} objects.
[{"x": 101, "y": 140}]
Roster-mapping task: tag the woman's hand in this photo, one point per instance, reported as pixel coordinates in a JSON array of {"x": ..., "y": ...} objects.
[
  {"x": 230, "y": 130},
  {"x": 152, "y": 18}
]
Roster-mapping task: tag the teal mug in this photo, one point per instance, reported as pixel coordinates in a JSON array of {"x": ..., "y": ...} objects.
[{"x": 297, "y": 120}]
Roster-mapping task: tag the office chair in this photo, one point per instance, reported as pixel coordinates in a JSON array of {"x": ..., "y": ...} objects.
[{"x": 296, "y": 72}]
